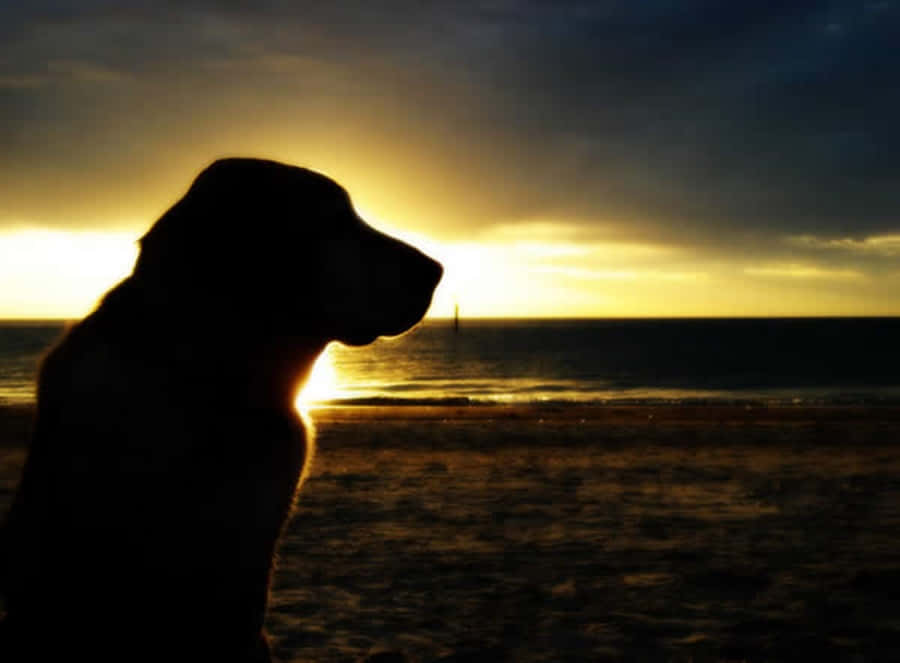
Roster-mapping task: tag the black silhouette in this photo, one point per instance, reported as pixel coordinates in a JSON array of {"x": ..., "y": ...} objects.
[{"x": 167, "y": 451}]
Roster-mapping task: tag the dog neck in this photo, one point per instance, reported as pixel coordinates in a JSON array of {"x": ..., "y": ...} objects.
[{"x": 221, "y": 361}]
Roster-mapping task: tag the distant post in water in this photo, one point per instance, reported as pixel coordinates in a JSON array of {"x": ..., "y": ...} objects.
[{"x": 456, "y": 318}]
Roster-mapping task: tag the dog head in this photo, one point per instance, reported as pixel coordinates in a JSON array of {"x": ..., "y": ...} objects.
[{"x": 280, "y": 249}]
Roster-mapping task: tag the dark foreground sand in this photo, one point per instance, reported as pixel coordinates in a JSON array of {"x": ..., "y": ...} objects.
[{"x": 589, "y": 534}]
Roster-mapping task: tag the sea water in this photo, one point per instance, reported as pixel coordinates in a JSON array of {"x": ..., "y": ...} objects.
[{"x": 782, "y": 360}]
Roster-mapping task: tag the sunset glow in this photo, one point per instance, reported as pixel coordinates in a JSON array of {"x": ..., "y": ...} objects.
[
  {"x": 547, "y": 187},
  {"x": 62, "y": 274},
  {"x": 322, "y": 384},
  {"x": 59, "y": 274}
]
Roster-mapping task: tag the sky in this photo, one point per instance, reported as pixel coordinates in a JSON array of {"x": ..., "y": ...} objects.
[{"x": 653, "y": 158}]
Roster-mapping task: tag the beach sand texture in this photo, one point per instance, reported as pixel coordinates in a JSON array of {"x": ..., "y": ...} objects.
[{"x": 588, "y": 534}]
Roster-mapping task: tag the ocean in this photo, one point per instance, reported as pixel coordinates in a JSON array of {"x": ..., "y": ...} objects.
[
  {"x": 669, "y": 531},
  {"x": 827, "y": 361}
]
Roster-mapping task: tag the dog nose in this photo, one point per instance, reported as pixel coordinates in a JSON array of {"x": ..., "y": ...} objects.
[{"x": 435, "y": 270}]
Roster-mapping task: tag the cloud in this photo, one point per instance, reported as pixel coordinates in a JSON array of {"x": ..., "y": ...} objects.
[
  {"x": 621, "y": 274},
  {"x": 804, "y": 272},
  {"x": 875, "y": 245},
  {"x": 690, "y": 124},
  {"x": 61, "y": 72}
]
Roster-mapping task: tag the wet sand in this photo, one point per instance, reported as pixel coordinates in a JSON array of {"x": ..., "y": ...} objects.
[{"x": 588, "y": 534}]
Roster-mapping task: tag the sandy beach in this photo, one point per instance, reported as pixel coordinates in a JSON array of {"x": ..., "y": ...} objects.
[{"x": 588, "y": 533}]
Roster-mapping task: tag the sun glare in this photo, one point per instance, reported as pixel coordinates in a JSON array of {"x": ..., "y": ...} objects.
[
  {"x": 322, "y": 384},
  {"x": 48, "y": 273}
]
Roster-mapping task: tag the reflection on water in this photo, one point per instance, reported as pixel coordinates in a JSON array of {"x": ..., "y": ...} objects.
[
  {"x": 522, "y": 361},
  {"x": 323, "y": 383}
]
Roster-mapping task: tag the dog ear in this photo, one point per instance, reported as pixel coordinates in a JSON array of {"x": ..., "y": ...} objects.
[
  {"x": 166, "y": 249},
  {"x": 185, "y": 236}
]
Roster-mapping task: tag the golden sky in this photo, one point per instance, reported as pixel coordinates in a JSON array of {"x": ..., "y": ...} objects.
[{"x": 567, "y": 159}]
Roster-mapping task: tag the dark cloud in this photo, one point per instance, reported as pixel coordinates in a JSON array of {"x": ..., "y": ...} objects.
[{"x": 697, "y": 122}]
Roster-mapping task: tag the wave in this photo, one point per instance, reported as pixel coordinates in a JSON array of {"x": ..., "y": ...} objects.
[{"x": 748, "y": 401}]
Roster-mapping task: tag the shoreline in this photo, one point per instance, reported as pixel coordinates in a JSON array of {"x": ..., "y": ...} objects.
[
  {"x": 570, "y": 425},
  {"x": 612, "y": 412},
  {"x": 636, "y": 411}
]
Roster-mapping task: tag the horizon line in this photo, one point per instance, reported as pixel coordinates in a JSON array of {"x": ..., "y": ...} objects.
[{"x": 4, "y": 320}]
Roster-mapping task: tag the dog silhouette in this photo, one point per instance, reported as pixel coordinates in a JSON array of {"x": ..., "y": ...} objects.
[{"x": 167, "y": 450}]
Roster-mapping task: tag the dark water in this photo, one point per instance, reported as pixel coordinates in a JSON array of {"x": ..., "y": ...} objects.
[
  {"x": 784, "y": 360},
  {"x": 808, "y": 360},
  {"x": 22, "y": 344}
]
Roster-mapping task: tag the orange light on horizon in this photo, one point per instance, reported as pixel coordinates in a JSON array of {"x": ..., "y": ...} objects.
[
  {"x": 60, "y": 274},
  {"x": 322, "y": 385},
  {"x": 63, "y": 274}
]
